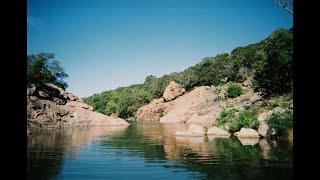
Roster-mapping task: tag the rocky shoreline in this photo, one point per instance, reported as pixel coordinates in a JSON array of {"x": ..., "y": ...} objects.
[
  {"x": 201, "y": 107},
  {"x": 51, "y": 107}
]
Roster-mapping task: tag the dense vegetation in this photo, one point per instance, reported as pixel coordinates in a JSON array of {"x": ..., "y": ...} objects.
[
  {"x": 269, "y": 62},
  {"x": 281, "y": 122},
  {"x": 42, "y": 68},
  {"x": 233, "y": 119}
]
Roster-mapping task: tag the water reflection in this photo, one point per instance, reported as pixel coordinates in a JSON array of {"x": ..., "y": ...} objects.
[
  {"x": 152, "y": 148},
  {"x": 48, "y": 149}
]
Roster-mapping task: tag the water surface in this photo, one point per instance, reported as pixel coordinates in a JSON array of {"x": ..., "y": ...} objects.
[{"x": 150, "y": 151}]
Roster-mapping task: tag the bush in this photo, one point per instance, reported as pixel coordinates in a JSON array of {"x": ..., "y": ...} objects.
[
  {"x": 281, "y": 122},
  {"x": 233, "y": 120},
  {"x": 234, "y": 90},
  {"x": 246, "y": 119},
  {"x": 226, "y": 116}
]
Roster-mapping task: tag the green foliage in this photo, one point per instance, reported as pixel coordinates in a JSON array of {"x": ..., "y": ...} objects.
[
  {"x": 274, "y": 75},
  {"x": 233, "y": 119},
  {"x": 42, "y": 68},
  {"x": 281, "y": 122},
  {"x": 246, "y": 119},
  {"x": 269, "y": 62},
  {"x": 123, "y": 101},
  {"x": 234, "y": 90},
  {"x": 225, "y": 117}
]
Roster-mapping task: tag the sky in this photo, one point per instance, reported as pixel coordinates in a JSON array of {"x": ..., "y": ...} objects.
[{"x": 106, "y": 44}]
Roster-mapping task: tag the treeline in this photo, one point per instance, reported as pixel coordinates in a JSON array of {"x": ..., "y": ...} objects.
[{"x": 269, "y": 62}]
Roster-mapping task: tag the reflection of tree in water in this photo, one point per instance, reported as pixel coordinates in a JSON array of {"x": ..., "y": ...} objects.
[
  {"x": 45, "y": 155},
  {"x": 216, "y": 158},
  {"x": 134, "y": 140},
  {"x": 47, "y": 150}
]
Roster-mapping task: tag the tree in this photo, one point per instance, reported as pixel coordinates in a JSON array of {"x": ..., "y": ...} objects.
[
  {"x": 285, "y": 4},
  {"x": 274, "y": 74},
  {"x": 42, "y": 68}
]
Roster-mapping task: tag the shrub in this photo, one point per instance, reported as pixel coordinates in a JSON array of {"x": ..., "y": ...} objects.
[
  {"x": 234, "y": 90},
  {"x": 226, "y": 115},
  {"x": 281, "y": 122},
  {"x": 245, "y": 118},
  {"x": 233, "y": 120}
]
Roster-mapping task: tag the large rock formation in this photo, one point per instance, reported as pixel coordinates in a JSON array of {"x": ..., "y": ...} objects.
[
  {"x": 172, "y": 91},
  {"x": 50, "y": 107},
  {"x": 200, "y": 106},
  {"x": 154, "y": 111}
]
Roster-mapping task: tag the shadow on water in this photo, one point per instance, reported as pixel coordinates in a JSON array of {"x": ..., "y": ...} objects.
[{"x": 155, "y": 145}]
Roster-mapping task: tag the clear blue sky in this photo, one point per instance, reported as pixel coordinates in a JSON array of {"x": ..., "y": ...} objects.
[{"x": 105, "y": 44}]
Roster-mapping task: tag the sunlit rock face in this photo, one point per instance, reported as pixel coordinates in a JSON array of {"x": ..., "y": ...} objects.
[
  {"x": 201, "y": 106},
  {"x": 172, "y": 91},
  {"x": 50, "y": 107}
]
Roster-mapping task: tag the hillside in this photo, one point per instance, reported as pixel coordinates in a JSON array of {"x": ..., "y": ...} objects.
[{"x": 268, "y": 63}]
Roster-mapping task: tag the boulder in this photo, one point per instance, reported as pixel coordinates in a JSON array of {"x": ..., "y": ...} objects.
[
  {"x": 172, "y": 91},
  {"x": 196, "y": 130},
  {"x": 263, "y": 129},
  {"x": 217, "y": 132},
  {"x": 247, "y": 132}
]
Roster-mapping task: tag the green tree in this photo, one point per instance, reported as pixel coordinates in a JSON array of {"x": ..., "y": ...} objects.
[
  {"x": 42, "y": 68},
  {"x": 274, "y": 75}
]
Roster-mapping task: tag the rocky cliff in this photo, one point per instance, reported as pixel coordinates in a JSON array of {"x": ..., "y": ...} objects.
[
  {"x": 50, "y": 107},
  {"x": 199, "y": 106}
]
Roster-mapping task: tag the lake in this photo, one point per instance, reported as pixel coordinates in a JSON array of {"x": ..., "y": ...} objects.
[{"x": 151, "y": 151}]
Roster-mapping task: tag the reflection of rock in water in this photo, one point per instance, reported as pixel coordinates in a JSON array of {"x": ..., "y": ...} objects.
[
  {"x": 265, "y": 148},
  {"x": 248, "y": 141},
  {"x": 176, "y": 147},
  {"x": 47, "y": 149}
]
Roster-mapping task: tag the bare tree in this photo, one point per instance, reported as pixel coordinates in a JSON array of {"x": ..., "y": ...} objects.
[{"x": 285, "y": 4}]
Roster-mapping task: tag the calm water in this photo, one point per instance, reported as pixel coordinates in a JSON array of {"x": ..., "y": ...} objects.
[{"x": 150, "y": 151}]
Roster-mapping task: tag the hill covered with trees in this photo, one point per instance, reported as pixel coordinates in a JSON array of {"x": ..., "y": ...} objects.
[{"x": 269, "y": 63}]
